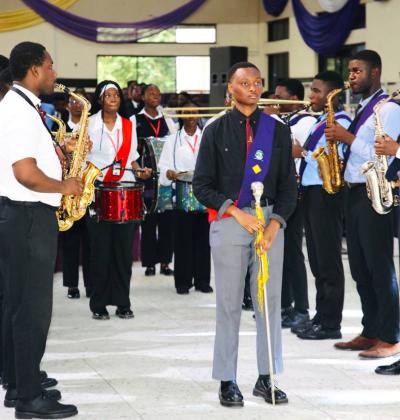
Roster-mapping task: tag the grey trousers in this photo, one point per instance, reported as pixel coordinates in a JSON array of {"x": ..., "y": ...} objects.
[{"x": 233, "y": 252}]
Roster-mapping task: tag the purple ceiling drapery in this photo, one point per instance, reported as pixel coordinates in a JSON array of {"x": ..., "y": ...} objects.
[
  {"x": 274, "y": 7},
  {"x": 327, "y": 32},
  {"x": 110, "y": 32}
]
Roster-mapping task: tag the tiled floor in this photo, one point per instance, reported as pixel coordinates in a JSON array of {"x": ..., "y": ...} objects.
[{"x": 158, "y": 365}]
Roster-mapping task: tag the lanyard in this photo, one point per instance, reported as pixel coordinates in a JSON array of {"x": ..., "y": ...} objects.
[
  {"x": 192, "y": 148},
  {"x": 156, "y": 130},
  {"x": 115, "y": 147}
]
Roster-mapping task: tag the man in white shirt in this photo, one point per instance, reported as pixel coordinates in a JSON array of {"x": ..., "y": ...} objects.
[
  {"x": 30, "y": 193},
  {"x": 294, "y": 277}
]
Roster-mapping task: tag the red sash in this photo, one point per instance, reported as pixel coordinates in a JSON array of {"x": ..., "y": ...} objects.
[{"x": 123, "y": 152}]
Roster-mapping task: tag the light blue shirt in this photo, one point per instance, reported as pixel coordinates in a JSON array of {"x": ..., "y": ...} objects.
[
  {"x": 311, "y": 173},
  {"x": 362, "y": 148}
]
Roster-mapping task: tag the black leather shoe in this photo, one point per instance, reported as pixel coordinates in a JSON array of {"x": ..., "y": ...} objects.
[
  {"x": 150, "y": 271},
  {"x": 43, "y": 374},
  {"x": 182, "y": 291},
  {"x": 295, "y": 319},
  {"x": 305, "y": 326},
  {"x": 263, "y": 389},
  {"x": 230, "y": 395},
  {"x": 164, "y": 269},
  {"x": 43, "y": 407},
  {"x": 10, "y": 400},
  {"x": 393, "y": 369},
  {"x": 204, "y": 289},
  {"x": 73, "y": 293},
  {"x": 48, "y": 382},
  {"x": 317, "y": 332},
  {"x": 124, "y": 313},
  {"x": 247, "y": 304},
  {"x": 101, "y": 315}
]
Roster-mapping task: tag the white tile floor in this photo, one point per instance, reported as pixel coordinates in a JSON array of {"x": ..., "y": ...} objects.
[{"x": 158, "y": 365}]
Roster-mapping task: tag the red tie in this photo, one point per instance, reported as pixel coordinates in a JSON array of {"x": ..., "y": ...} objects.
[
  {"x": 41, "y": 113},
  {"x": 249, "y": 136}
]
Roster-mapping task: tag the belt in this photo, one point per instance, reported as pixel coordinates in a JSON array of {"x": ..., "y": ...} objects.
[
  {"x": 352, "y": 185},
  {"x": 37, "y": 204}
]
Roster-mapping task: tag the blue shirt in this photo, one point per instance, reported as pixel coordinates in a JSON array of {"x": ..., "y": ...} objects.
[
  {"x": 311, "y": 173},
  {"x": 362, "y": 148}
]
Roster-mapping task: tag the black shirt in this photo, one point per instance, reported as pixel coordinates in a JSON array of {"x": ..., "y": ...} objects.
[
  {"x": 221, "y": 162},
  {"x": 144, "y": 126}
]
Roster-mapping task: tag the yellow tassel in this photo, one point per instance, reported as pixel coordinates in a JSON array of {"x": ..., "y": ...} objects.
[{"x": 262, "y": 277}]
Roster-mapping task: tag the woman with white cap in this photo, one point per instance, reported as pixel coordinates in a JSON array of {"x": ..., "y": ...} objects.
[{"x": 114, "y": 148}]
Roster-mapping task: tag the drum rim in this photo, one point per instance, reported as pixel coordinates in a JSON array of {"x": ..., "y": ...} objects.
[{"x": 119, "y": 185}]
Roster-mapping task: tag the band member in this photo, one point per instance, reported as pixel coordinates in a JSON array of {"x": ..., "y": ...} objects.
[
  {"x": 191, "y": 235},
  {"x": 157, "y": 228},
  {"x": 323, "y": 218},
  {"x": 294, "y": 281},
  {"x": 369, "y": 234},
  {"x": 114, "y": 148},
  {"x": 30, "y": 193},
  {"x": 229, "y": 160},
  {"x": 134, "y": 104},
  {"x": 76, "y": 238}
]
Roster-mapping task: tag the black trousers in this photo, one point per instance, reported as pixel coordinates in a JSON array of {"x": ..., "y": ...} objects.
[
  {"x": 157, "y": 238},
  {"x": 73, "y": 241},
  {"x": 28, "y": 247},
  {"x": 192, "y": 250},
  {"x": 323, "y": 222},
  {"x": 110, "y": 263},
  {"x": 370, "y": 250},
  {"x": 294, "y": 277}
]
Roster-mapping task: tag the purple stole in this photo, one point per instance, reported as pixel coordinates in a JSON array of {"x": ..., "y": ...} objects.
[
  {"x": 313, "y": 140},
  {"x": 259, "y": 159},
  {"x": 363, "y": 116}
]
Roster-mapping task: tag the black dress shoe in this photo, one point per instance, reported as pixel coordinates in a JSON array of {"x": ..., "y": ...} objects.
[
  {"x": 204, "y": 289},
  {"x": 48, "y": 382},
  {"x": 10, "y": 400},
  {"x": 43, "y": 374},
  {"x": 73, "y": 293},
  {"x": 317, "y": 332},
  {"x": 393, "y": 369},
  {"x": 101, "y": 315},
  {"x": 164, "y": 269},
  {"x": 295, "y": 319},
  {"x": 43, "y": 407},
  {"x": 247, "y": 304},
  {"x": 230, "y": 395},
  {"x": 182, "y": 291},
  {"x": 150, "y": 271},
  {"x": 263, "y": 389},
  {"x": 124, "y": 313},
  {"x": 305, "y": 326}
]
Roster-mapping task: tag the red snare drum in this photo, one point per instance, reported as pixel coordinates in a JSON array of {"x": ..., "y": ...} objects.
[{"x": 119, "y": 202}]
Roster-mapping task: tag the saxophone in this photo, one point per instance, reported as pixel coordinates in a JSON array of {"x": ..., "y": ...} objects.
[
  {"x": 379, "y": 189},
  {"x": 72, "y": 207},
  {"x": 329, "y": 163}
]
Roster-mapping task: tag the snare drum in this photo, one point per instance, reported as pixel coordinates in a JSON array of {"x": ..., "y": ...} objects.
[
  {"x": 119, "y": 202},
  {"x": 185, "y": 199}
]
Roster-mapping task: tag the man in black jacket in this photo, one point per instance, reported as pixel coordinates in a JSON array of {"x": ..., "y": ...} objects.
[{"x": 239, "y": 148}]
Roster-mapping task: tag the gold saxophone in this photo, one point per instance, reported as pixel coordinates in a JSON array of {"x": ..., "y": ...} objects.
[
  {"x": 329, "y": 163},
  {"x": 379, "y": 189},
  {"x": 72, "y": 207}
]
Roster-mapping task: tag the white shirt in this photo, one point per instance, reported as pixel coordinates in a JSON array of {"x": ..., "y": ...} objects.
[
  {"x": 179, "y": 154},
  {"x": 363, "y": 147},
  {"x": 172, "y": 126},
  {"x": 73, "y": 126},
  {"x": 106, "y": 144},
  {"x": 23, "y": 135},
  {"x": 300, "y": 132}
]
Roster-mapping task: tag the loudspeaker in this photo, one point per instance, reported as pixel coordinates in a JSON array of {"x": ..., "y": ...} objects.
[{"x": 221, "y": 60}]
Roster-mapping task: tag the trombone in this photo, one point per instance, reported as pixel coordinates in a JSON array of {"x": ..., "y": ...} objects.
[{"x": 211, "y": 111}]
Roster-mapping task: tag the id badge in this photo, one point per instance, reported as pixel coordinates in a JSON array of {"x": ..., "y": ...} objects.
[{"x": 116, "y": 170}]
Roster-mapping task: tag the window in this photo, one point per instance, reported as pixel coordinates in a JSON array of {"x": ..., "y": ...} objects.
[
  {"x": 185, "y": 34},
  {"x": 278, "y": 30},
  {"x": 170, "y": 74},
  {"x": 278, "y": 68}
]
